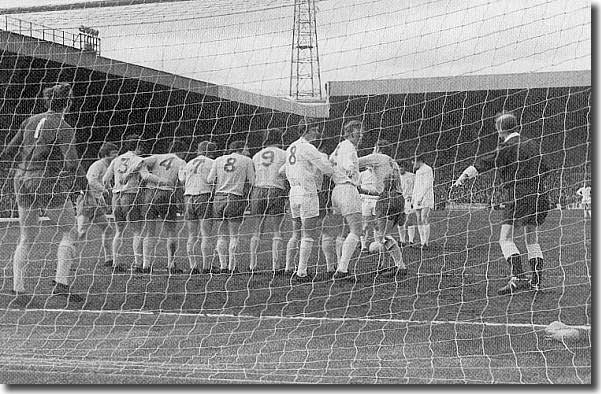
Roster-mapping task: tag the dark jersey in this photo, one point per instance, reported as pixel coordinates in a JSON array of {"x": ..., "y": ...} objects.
[
  {"x": 520, "y": 167},
  {"x": 45, "y": 142}
]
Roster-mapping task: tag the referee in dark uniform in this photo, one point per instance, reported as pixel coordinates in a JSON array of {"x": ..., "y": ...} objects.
[{"x": 521, "y": 168}]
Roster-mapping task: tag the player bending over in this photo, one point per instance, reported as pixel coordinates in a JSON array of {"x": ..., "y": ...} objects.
[
  {"x": 47, "y": 173},
  {"x": 423, "y": 198},
  {"x": 346, "y": 202},
  {"x": 390, "y": 205},
  {"x": 198, "y": 213},
  {"x": 303, "y": 168},
  {"x": 268, "y": 198},
  {"x": 160, "y": 204},
  {"x": 91, "y": 205},
  {"x": 230, "y": 173},
  {"x": 521, "y": 169},
  {"x": 407, "y": 227},
  {"x": 369, "y": 197},
  {"x": 585, "y": 193},
  {"x": 126, "y": 174}
]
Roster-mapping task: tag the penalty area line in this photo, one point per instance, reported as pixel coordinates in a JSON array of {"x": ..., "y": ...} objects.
[{"x": 294, "y": 318}]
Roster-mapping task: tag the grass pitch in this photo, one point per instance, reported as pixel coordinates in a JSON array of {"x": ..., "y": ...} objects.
[{"x": 443, "y": 323}]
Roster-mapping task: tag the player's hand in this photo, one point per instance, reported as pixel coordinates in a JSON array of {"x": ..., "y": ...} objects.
[{"x": 459, "y": 181}]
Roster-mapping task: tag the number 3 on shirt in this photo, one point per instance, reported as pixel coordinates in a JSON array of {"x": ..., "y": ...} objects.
[{"x": 229, "y": 165}]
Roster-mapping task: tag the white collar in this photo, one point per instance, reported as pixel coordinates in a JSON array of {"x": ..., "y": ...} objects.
[{"x": 511, "y": 136}]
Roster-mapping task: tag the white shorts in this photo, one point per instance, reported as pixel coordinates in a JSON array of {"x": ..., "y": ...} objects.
[
  {"x": 303, "y": 204},
  {"x": 424, "y": 204},
  {"x": 368, "y": 204},
  {"x": 346, "y": 199}
]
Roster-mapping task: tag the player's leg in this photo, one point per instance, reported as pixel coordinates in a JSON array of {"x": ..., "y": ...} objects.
[
  {"x": 277, "y": 222},
  {"x": 234, "y": 212},
  {"x": 65, "y": 224},
  {"x": 193, "y": 228},
  {"x": 511, "y": 253},
  {"x": 292, "y": 245},
  {"x": 169, "y": 213},
  {"x": 234, "y": 234},
  {"x": 277, "y": 211},
  {"x": 328, "y": 243},
  {"x": 535, "y": 255},
  {"x": 310, "y": 233},
  {"x": 120, "y": 212},
  {"x": 346, "y": 201},
  {"x": 101, "y": 221},
  {"x": 423, "y": 225},
  {"x": 28, "y": 229},
  {"x": 170, "y": 227},
  {"x": 206, "y": 242},
  {"x": 258, "y": 207}
]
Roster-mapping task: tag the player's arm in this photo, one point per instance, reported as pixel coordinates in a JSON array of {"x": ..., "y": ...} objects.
[
  {"x": 482, "y": 164},
  {"x": 67, "y": 143},
  {"x": 149, "y": 177},
  {"x": 212, "y": 177},
  {"x": 109, "y": 175},
  {"x": 319, "y": 160},
  {"x": 12, "y": 148},
  {"x": 347, "y": 159},
  {"x": 93, "y": 175},
  {"x": 368, "y": 161}
]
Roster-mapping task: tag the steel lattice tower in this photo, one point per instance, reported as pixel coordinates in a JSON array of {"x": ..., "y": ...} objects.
[{"x": 305, "y": 79}]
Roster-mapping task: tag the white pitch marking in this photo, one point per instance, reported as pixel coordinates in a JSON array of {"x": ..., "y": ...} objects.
[{"x": 310, "y": 318}]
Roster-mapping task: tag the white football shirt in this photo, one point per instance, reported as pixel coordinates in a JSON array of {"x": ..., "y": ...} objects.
[
  {"x": 231, "y": 172},
  {"x": 194, "y": 176},
  {"x": 407, "y": 181},
  {"x": 94, "y": 176},
  {"x": 346, "y": 161},
  {"x": 423, "y": 187},
  {"x": 268, "y": 162},
  {"x": 305, "y": 166},
  {"x": 384, "y": 169},
  {"x": 165, "y": 166},
  {"x": 124, "y": 170}
]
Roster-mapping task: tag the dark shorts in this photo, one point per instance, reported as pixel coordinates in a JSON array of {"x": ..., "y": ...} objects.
[
  {"x": 391, "y": 207},
  {"x": 229, "y": 206},
  {"x": 198, "y": 207},
  {"x": 160, "y": 204},
  {"x": 268, "y": 201},
  {"x": 35, "y": 189},
  {"x": 127, "y": 207},
  {"x": 325, "y": 202},
  {"x": 530, "y": 210},
  {"x": 90, "y": 207}
]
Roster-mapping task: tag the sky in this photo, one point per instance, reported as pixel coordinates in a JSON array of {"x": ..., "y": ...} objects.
[{"x": 248, "y": 44}]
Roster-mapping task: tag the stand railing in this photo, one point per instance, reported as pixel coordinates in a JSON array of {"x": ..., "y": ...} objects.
[{"x": 83, "y": 41}]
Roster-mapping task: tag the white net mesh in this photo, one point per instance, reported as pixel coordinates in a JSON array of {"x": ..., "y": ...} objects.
[{"x": 428, "y": 77}]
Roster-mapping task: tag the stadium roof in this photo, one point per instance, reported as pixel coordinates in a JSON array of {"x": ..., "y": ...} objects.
[
  {"x": 246, "y": 44},
  {"x": 33, "y": 47}
]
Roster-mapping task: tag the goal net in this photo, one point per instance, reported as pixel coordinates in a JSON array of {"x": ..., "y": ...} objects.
[{"x": 430, "y": 78}]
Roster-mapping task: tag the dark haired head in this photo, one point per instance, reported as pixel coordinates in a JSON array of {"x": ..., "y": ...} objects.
[
  {"x": 307, "y": 124},
  {"x": 506, "y": 122},
  {"x": 351, "y": 126},
  {"x": 236, "y": 146},
  {"x": 207, "y": 148},
  {"x": 58, "y": 97},
  {"x": 272, "y": 137},
  {"x": 106, "y": 149}
]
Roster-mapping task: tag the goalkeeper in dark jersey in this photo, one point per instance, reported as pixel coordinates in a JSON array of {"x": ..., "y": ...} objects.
[
  {"x": 521, "y": 168},
  {"x": 47, "y": 174}
]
